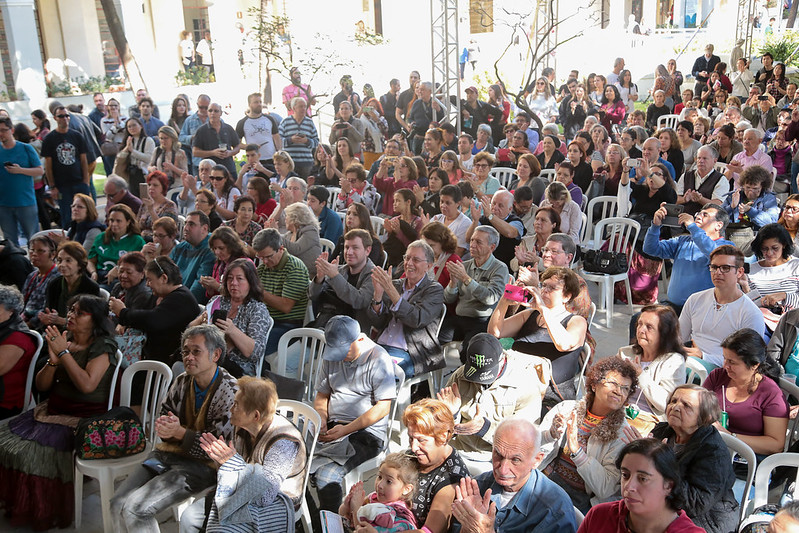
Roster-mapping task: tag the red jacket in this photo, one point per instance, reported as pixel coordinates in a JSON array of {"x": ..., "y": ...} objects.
[{"x": 611, "y": 518}]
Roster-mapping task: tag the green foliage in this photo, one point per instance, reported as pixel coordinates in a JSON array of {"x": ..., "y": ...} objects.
[
  {"x": 60, "y": 88},
  {"x": 781, "y": 47},
  {"x": 82, "y": 85},
  {"x": 194, "y": 76}
]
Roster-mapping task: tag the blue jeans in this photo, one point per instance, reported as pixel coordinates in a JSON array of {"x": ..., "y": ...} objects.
[
  {"x": 405, "y": 362},
  {"x": 143, "y": 495},
  {"x": 27, "y": 217},
  {"x": 67, "y": 193}
]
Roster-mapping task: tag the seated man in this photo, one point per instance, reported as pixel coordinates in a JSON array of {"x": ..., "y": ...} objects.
[
  {"x": 330, "y": 226},
  {"x": 344, "y": 289},
  {"x": 650, "y": 154},
  {"x": 193, "y": 255},
  {"x": 116, "y": 192},
  {"x": 354, "y": 389},
  {"x": 491, "y": 386},
  {"x": 752, "y": 155},
  {"x": 522, "y": 498},
  {"x": 690, "y": 253},
  {"x": 524, "y": 208},
  {"x": 709, "y": 316},
  {"x": 476, "y": 285},
  {"x": 407, "y": 312},
  {"x": 498, "y": 212},
  {"x": 285, "y": 281},
  {"x": 199, "y": 401},
  {"x": 704, "y": 184}
]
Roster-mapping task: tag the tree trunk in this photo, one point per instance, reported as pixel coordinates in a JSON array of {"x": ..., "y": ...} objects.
[
  {"x": 792, "y": 14},
  {"x": 132, "y": 72}
]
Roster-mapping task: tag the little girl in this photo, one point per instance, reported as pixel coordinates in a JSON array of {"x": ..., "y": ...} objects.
[{"x": 388, "y": 508}]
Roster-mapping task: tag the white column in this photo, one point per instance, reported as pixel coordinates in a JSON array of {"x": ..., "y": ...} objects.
[
  {"x": 81, "y": 31},
  {"x": 23, "y": 49},
  {"x": 226, "y": 40},
  {"x": 679, "y": 13},
  {"x": 617, "y": 15}
]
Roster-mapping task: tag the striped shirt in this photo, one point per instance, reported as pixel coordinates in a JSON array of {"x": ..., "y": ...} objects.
[
  {"x": 289, "y": 279},
  {"x": 299, "y": 152},
  {"x": 782, "y": 278},
  {"x": 565, "y": 466}
]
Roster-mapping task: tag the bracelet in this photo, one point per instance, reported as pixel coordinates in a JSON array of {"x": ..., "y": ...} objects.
[
  {"x": 62, "y": 353},
  {"x": 51, "y": 364}
]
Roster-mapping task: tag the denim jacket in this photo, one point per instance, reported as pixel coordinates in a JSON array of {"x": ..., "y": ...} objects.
[{"x": 764, "y": 210}]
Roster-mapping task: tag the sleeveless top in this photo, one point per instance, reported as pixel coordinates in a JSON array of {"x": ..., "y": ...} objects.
[{"x": 534, "y": 339}]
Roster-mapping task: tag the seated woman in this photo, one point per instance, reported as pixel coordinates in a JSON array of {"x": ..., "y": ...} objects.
[
  {"x": 659, "y": 358},
  {"x": 702, "y": 457},
  {"x": 169, "y": 157},
  {"x": 41, "y": 251},
  {"x": 357, "y": 217},
  {"x": 405, "y": 176},
  {"x": 773, "y": 281},
  {"x": 227, "y": 247},
  {"x": 71, "y": 261},
  {"x": 302, "y": 240},
  {"x": 528, "y": 171},
  {"x": 558, "y": 198},
  {"x": 444, "y": 245},
  {"x": 245, "y": 226},
  {"x": 646, "y": 199},
  {"x": 262, "y": 473},
  {"x": 206, "y": 202},
  {"x": 551, "y": 154},
  {"x": 450, "y": 164},
  {"x": 246, "y": 318},
  {"x": 587, "y": 435},
  {"x": 36, "y": 462},
  {"x": 17, "y": 348},
  {"x": 545, "y": 223},
  {"x": 754, "y": 204},
  {"x": 607, "y": 178},
  {"x": 122, "y": 236},
  {"x": 403, "y": 228},
  {"x": 84, "y": 227},
  {"x": 747, "y": 387},
  {"x": 545, "y": 327},
  {"x": 155, "y": 205},
  {"x": 258, "y": 190},
  {"x": 355, "y": 189},
  {"x": 583, "y": 172},
  {"x": 670, "y": 149},
  {"x": 483, "y": 183},
  {"x": 789, "y": 219},
  {"x": 133, "y": 290},
  {"x": 652, "y": 494},
  {"x": 224, "y": 187},
  {"x": 429, "y": 200},
  {"x": 164, "y": 323},
  {"x": 165, "y": 237},
  {"x": 430, "y": 428},
  {"x": 564, "y": 173}
]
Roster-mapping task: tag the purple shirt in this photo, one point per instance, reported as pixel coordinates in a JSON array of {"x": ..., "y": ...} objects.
[
  {"x": 746, "y": 417},
  {"x": 758, "y": 158}
]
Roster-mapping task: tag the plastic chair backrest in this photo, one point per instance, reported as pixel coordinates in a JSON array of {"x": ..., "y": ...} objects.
[
  {"x": 333, "y": 193},
  {"x": 721, "y": 167},
  {"x": 307, "y": 421},
  {"x": 114, "y": 379},
  {"x": 668, "y": 121},
  {"x": 504, "y": 175},
  {"x": 378, "y": 227},
  {"x": 29, "y": 402},
  {"x": 790, "y": 389},
  {"x": 763, "y": 475},
  {"x": 399, "y": 376},
  {"x": 327, "y": 246},
  {"x": 156, "y": 384},
  {"x": 738, "y": 447},
  {"x": 548, "y": 174},
  {"x": 623, "y": 232},
  {"x": 312, "y": 345},
  {"x": 694, "y": 370},
  {"x": 260, "y": 364},
  {"x": 609, "y": 206},
  {"x": 105, "y": 294}
]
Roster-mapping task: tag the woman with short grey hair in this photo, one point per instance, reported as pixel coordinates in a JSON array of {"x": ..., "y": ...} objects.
[
  {"x": 302, "y": 241},
  {"x": 17, "y": 348}
]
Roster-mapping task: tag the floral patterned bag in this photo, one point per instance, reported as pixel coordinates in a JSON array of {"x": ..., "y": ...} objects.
[{"x": 116, "y": 433}]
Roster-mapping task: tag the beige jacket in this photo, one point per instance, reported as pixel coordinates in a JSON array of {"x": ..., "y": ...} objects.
[{"x": 658, "y": 380}]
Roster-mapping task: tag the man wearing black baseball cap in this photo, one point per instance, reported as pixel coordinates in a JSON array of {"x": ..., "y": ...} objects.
[
  {"x": 354, "y": 389},
  {"x": 492, "y": 385}
]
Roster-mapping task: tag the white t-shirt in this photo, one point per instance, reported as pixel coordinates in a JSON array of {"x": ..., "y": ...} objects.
[
  {"x": 707, "y": 325},
  {"x": 467, "y": 164},
  {"x": 459, "y": 227}
]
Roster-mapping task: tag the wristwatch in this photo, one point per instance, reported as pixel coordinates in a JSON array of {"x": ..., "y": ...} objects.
[
  {"x": 376, "y": 302},
  {"x": 491, "y": 217}
]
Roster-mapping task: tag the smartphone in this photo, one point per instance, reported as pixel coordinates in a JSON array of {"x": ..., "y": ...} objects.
[
  {"x": 633, "y": 163},
  {"x": 143, "y": 191},
  {"x": 219, "y": 314},
  {"x": 517, "y": 294},
  {"x": 368, "y": 109},
  {"x": 154, "y": 465},
  {"x": 503, "y": 154},
  {"x": 341, "y": 125},
  {"x": 390, "y": 159},
  {"x": 673, "y": 212},
  {"x": 763, "y": 97},
  {"x": 8, "y": 164}
]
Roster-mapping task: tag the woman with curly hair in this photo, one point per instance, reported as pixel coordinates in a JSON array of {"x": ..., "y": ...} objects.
[
  {"x": 227, "y": 247},
  {"x": 302, "y": 240},
  {"x": 245, "y": 226},
  {"x": 587, "y": 434}
]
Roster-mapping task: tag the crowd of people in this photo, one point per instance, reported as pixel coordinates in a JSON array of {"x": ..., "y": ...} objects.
[{"x": 397, "y": 239}]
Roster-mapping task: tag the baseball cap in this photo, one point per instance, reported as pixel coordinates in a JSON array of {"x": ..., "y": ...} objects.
[
  {"x": 341, "y": 331},
  {"x": 471, "y": 88},
  {"x": 483, "y": 359}
]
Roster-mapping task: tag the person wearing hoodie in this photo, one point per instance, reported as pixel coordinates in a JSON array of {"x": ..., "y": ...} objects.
[{"x": 14, "y": 265}]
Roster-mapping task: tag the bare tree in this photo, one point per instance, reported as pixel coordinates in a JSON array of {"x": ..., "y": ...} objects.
[
  {"x": 129, "y": 64},
  {"x": 537, "y": 46}
]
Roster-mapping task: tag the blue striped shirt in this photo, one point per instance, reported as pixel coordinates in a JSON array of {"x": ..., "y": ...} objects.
[{"x": 299, "y": 152}]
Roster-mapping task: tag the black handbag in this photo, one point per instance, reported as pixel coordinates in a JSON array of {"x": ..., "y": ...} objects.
[{"x": 604, "y": 262}]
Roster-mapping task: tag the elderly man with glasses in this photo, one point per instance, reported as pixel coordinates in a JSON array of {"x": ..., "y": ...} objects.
[
  {"x": 217, "y": 140},
  {"x": 704, "y": 184}
]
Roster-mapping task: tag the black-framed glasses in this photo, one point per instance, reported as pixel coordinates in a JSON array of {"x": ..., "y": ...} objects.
[
  {"x": 624, "y": 389},
  {"x": 217, "y": 178},
  {"x": 62, "y": 116},
  {"x": 725, "y": 269}
]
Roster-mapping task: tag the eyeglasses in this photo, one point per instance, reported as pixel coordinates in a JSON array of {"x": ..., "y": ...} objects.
[
  {"x": 202, "y": 107},
  {"x": 624, "y": 389},
  {"x": 217, "y": 178},
  {"x": 545, "y": 287},
  {"x": 481, "y": 165},
  {"x": 659, "y": 174},
  {"x": 160, "y": 235},
  {"x": 546, "y": 250},
  {"x": 62, "y": 116},
  {"x": 792, "y": 208},
  {"x": 725, "y": 269},
  {"x": 414, "y": 260},
  {"x": 76, "y": 311},
  {"x": 194, "y": 353},
  {"x": 266, "y": 258}
]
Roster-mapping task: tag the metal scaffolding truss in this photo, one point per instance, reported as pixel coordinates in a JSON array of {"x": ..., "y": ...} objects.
[
  {"x": 444, "y": 45},
  {"x": 545, "y": 31},
  {"x": 744, "y": 25}
]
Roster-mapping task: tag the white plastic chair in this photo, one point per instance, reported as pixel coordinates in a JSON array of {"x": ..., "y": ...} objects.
[
  {"x": 259, "y": 366},
  {"x": 378, "y": 228},
  {"x": 308, "y": 422},
  {"x": 738, "y": 447},
  {"x": 668, "y": 121},
  {"x": 312, "y": 344},
  {"x": 504, "y": 175},
  {"x": 609, "y": 207},
  {"x": 327, "y": 246},
  {"x": 47, "y": 232},
  {"x": 623, "y": 234},
  {"x": 29, "y": 402},
  {"x": 385, "y": 259},
  {"x": 331, "y": 199},
  {"x": 591, "y": 314},
  {"x": 790, "y": 389},
  {"x": 583, "y": 225},
  {"x": 763, "y": 475},
  {"x": 578, "y": 516},
  {"x": 721, "y": 167},
  {"x": 694, "y": 370},
  {"x": 114, "y": 379},
  {"x": 579, "y": 379},
  {"x": 105, "y": 294},
  {"x": 360, "y": 471},
  {"x": 106, "y": 471},
  {"x": 548, "y": 174}
]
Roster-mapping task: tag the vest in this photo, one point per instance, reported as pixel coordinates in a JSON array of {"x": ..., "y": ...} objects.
[
  {"x": 506, "y": 249},
  {"x": 279, "y": 428},
  {"x": 706, "y": 189}
]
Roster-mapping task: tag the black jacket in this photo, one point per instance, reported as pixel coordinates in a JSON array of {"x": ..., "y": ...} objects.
[
  {"x": 14, "y": 266},
  {"x": 708, "y": 477}
]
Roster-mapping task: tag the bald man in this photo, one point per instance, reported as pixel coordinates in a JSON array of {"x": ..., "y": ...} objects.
[
  {"x": 498, "y": 212},
  {"x": 514, "y": 497}
]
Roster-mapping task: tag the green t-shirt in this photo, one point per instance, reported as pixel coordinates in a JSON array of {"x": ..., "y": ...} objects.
[
  {"x": 108, "y": 254},
  {"x": 289, "y": 279}
]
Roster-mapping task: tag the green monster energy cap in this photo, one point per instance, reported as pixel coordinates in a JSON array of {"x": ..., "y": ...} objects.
[{"x": 483, "y": 359}]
